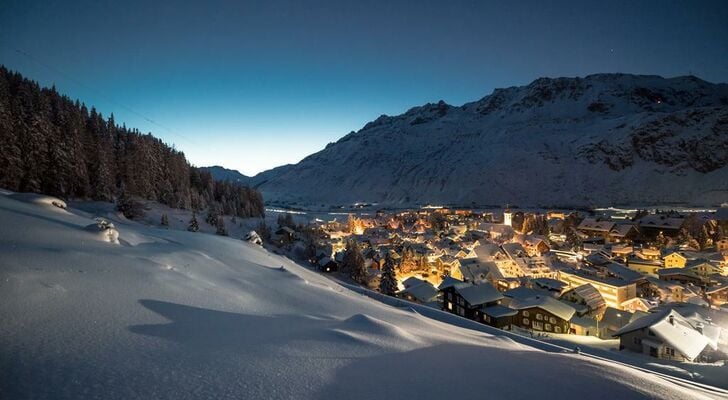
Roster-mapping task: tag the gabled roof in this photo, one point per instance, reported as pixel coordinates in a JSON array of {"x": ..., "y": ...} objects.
[
  {"x": 486, "y": 251},
  {"x": 550, "y": 284},
  {"x": 412, "y": 281},
  {"x": 498, "y": 311},
  {"x": 660, "y": 221},
  {"x": 590, "y": 295},
  {"x": 621, "y": 230},
  {"x": 424, "y": 292},
  {"x": 546, "y": 303},
  {"x": 677, "y": 271},
  {"x": 623, "y": 272},
  {"x": 476, "y": 270},
  {"x": 615, "y": 319},
  {"x": 673, "y": 329},
  {"x": 514, "y": 250},
  {"x": 591, "y": 224},
  {"x": 522, "y": 292},
  {"x": 480, "y": 294},
  {"x": 449, "y": 282}
]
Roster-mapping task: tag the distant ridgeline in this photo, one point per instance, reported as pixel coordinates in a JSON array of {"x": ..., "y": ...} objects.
[{"x": 53, "y": 145}]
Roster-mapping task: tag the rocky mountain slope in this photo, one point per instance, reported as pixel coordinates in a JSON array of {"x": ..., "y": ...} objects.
[{"x": 605, "y": 139}]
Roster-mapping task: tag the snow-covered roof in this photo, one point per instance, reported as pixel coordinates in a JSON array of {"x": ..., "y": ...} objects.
[
  {"x": 673, "y": 329},
  {"x": 592, "y": 224},
  {"x": 615, "y": 319},
  {"x": 661, "y": 222},
  {"x": 590, "y": 295},
  {"x": 522, "y": 292},
  {"x": 480, "y": 294},
  {"x": 475, "y": 270},
  {"x": 423, "y": 292},
  {"x": 550, "y": 283},
  {"x": 546, "y": 303},
  {"x": 498, "y": 311},
  {"x": 621, "y": 230},
  {"x": 452, "y": 282}
]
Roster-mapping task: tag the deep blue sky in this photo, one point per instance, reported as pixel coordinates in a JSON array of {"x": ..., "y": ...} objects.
[{"x": 253, "y": 85}]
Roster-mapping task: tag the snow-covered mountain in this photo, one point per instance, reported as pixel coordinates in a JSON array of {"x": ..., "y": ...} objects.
[
  {"x": 168, "y": 314},
  {"x": 224, "y": 174},
  {"x": 605, "y": 139}
]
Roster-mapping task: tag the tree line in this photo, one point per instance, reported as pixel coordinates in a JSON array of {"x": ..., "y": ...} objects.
[{"x": 51, "y": 144}]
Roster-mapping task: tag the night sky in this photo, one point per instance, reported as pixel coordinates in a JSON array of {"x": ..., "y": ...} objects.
[{"x": 253, "y": 85}]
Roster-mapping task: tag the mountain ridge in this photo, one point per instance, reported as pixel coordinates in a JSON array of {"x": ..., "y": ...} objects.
[{"x": 601, "y": 139}]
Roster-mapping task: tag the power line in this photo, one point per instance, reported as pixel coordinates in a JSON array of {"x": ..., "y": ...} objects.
[{"x": 96, "y": 91}]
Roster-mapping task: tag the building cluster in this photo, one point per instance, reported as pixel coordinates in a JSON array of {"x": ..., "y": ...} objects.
[{"x": 650, "y": 279}]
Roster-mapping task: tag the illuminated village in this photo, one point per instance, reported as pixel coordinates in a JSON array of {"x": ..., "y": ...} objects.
[{"x": 652, "y": 280}]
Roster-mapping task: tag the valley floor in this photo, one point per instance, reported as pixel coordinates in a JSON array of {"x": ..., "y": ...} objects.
[{"x": 174, "y": 314}]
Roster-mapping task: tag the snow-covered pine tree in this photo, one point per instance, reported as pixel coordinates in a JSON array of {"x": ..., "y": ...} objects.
[
  {"x": 355, "y": 260},
  {"x": 388, "y": 281},
  {"x": 220, "y": 228},
  {"x": 193, "y": 225}
]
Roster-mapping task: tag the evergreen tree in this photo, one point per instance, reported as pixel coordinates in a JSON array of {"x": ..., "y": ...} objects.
[
  {"x": 220, "y": 228},
  {"x": 193, "y": 225},
  {"x": 354, "y": 261},
  {"x": 263, "y": 230},
  {"x": 388, "y": 281},
  {"x": 572, "y": 239},
  {"x": 165, "y": 220},
  {"x": 51, "y": 144}
]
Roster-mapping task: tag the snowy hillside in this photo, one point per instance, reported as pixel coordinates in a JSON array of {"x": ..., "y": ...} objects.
[
  {"x": 604, "y": 139},
  {"x": 173, "y": 314}
]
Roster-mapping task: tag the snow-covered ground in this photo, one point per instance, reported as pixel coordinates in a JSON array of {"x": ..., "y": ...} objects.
[{"x": 174, "y": 314}]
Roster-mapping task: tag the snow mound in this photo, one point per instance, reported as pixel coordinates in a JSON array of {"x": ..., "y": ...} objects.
[
  {"x": 50, "y": 202},
  {"x": 366, "y": 329},
  {"x": 104, "y": 230}
]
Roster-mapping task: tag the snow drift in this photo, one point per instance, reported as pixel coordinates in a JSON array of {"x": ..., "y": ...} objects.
[{"x": 178, "y": 315}]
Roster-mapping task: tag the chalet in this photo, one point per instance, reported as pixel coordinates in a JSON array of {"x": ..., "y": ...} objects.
[
  {"x": 668, "y": 292},
  {"x": 673, "y": 259},
  {"x": 467, "y": 300},
  {"x": 419, "y": 292},
  {"x": 614, "y": 291},
  {"x": 702, "y": 268},
  {"x": 613, "y": 320},
  {"x": 621, "y": 250},
  {"x": 718, "y": 294},
  {"x": 476, "y": 271},
  {"x": 667, "y": 335},
  {"x": 588, "y": 296},
  {"x": 584, "y": 326},
  {"x": 542, "y": 313},
  {"x": 327, "y": 264},
  {"x": 498, "y": 316},
  {"x": 623, "y": 233},
  {"x": 647, "y": 253},
  {"x": 681, "y": 275},
  {"x": 644, "y": 266},
  {"x": 636, "y": 304},
  {"x": 534, "y": 245},
  {"x": 285, "y": 234},
  {"x": 655, "y": 224},
  {"x": 596, "y": 227}
]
